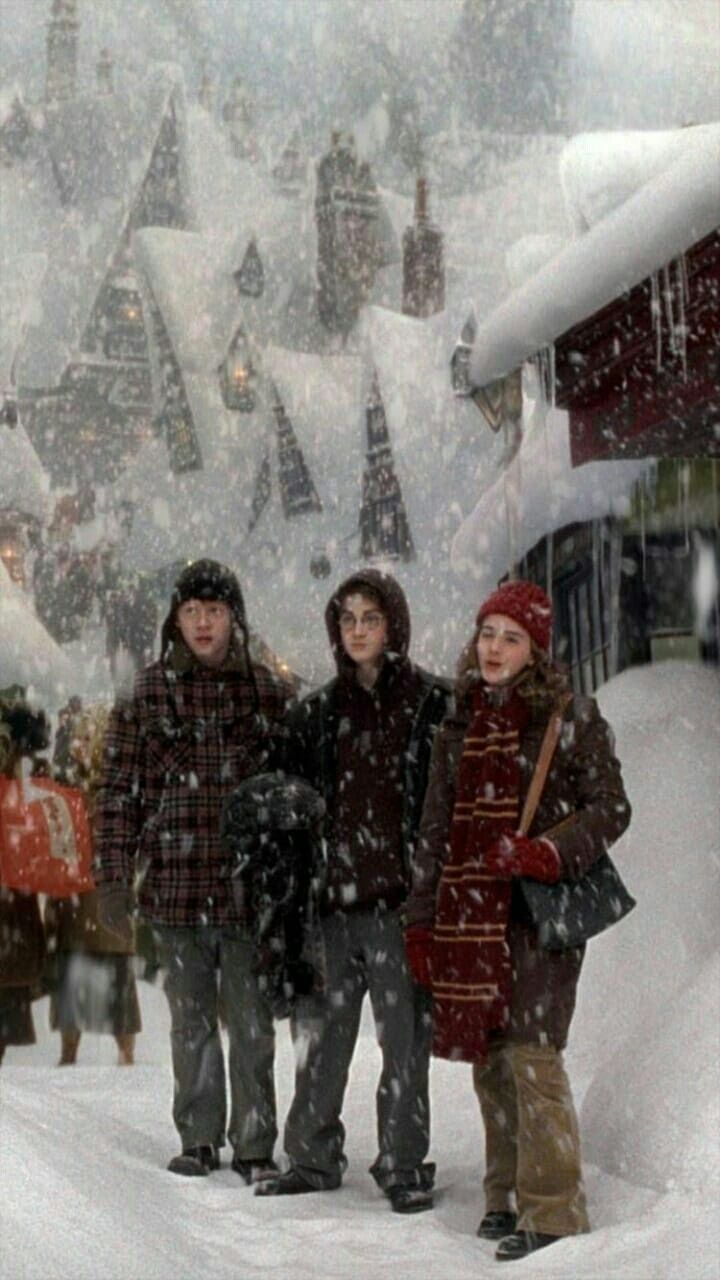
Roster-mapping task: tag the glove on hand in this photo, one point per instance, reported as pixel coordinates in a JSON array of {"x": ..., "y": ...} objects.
[
  {"x": 517, "y": 855},
  {"x": 418, "y": 941},
  {"x": 114, "y": 906}
]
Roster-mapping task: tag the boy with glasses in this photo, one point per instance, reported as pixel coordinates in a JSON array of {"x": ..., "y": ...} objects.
[{"x": 364, "y": 741}]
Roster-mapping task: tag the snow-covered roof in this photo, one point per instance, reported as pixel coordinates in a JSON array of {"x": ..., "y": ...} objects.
[
  {"x": 442, "y": 457},
  {"x": 20, "y": 278},
  {"x": 538, "y": 493},
  {"x": 23, "y": 483},
  {"x": 678, "y": 206},
  {"x": 37, "y": 662},
  {"x": 187, "y": 277},
  {"x": 600, "y": 171},
  {"x": 73, "y": 200}
]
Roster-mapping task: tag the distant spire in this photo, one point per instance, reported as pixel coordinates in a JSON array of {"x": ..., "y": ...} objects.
[
  {"x": 62, "y": 51},
  {"x": 104, "y": 71},
  {"x": 297, "y": 491},
  {"x": 423, "y": 262},
  {"x": 250, "y": 275},
  {"x": 384, "y": 528},
  {"x": 207, "y": 88}
]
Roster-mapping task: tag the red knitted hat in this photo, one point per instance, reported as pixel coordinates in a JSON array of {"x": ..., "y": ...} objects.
[{"x": 526, "y": 604}]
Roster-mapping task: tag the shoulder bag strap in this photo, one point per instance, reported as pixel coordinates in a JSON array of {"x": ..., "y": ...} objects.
[{"x": 547, "y": 751}]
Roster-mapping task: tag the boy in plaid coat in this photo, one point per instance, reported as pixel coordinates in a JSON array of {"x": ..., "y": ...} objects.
[{"x": 200, "y": 721}]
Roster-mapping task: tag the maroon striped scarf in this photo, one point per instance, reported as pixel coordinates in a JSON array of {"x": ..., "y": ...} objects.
[{"x": 471, "y": 959}]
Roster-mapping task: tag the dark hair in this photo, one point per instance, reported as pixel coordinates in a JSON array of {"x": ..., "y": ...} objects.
[
  {"x": 540, "y": 683},
  {"x": 369, "y": 592}
]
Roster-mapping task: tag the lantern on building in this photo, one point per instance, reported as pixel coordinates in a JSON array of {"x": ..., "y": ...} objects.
[{"x": 238, "y": 376}]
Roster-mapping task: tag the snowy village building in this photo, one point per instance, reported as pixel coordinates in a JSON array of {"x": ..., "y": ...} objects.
[
  {"x": 614, "y": 503},
  {"x": 79, "y": 174},
  {"x": 290, "y": 448}
]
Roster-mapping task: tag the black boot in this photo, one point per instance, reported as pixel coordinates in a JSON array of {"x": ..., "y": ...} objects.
[
  {"x": 410, "y": 1199},
  {"x": 521, "y": 1243},
  {"x": 256, "y": 1170},
  {"x": 290, "y": 1183},
  {"x": 195, "y": 1162},
  {"x": 496, "y": 1224}
]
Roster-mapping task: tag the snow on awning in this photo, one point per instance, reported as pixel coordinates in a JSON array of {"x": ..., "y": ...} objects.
[
  {"x": 537, "y": 494},
  {"x": 671, "y": 212}
]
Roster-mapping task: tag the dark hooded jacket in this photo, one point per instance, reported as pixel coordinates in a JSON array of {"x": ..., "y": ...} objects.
[{"x": 367, "y": 752}]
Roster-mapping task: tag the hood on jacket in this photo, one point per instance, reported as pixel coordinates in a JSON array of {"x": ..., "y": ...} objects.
[
  {"x": 204, "y": 580},
  {"x": 394, "y": 606}
]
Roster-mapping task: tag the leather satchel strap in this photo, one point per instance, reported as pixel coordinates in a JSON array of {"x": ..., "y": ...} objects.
[{"x": 544, "y": 760}]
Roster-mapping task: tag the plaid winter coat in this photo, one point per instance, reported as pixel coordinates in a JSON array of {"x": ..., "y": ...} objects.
[{"x": 172, "y": 754}]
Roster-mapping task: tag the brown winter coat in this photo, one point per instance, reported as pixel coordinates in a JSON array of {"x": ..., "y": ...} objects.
[{"x": 583, "y": 809}]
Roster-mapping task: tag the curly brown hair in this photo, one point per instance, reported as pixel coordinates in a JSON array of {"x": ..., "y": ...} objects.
[{"x": 541, "y": 683}]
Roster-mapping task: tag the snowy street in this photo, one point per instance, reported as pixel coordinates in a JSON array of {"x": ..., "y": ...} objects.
[
  {"x": 85, "y": 1191},
  {"x": 93, "y": 1143}
]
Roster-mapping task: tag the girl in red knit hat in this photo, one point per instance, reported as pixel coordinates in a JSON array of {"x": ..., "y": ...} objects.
[{"x": 501, "y": 1001}]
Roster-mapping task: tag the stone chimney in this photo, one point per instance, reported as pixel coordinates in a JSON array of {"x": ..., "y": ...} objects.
[
  {"x": 423, "y": 261},
  {"x": 104, "y": 71},
  {"x": 346, "y": 215},
  {"x": 62, "y": 51}
]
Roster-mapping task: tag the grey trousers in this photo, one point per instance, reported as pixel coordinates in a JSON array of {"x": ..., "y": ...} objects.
[
  {"x": 364, "y": 953},
  {"x": 192, "y": 959}
]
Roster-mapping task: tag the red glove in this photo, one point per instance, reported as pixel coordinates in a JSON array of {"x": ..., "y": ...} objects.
[
  {"x": 418, "y": 952},
  {"x": 516, "y": 855}
]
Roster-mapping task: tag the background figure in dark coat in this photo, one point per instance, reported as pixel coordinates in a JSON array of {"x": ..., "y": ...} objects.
[
  {"x": 23, "y": 733},
  {"x": 200, "y": 721},
  {"x": 363, "y": 742},
  {"x": 131, "y": 622},
  {"x": 90, "y": 967},
  {"x": 501, "y": 1000}
]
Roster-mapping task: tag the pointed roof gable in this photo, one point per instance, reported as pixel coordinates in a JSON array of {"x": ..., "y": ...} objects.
[{"x": 100, "y": 149}]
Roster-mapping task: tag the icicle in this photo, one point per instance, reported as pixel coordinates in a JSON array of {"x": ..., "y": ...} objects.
[
  {"x": 683, "y": 295},
  {"x": 668, "y": 301},
  {"x": 551, "y": 373},
  {"x": 656, "y": 317}
]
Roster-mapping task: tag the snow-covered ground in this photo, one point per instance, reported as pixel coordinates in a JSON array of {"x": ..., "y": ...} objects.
[{"x": 82, "y": 1151}]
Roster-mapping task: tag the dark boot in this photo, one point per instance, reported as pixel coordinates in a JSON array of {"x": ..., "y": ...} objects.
[
  {"x": 496, "y": 1224},
  {"x": 257, "y": 1170},
  {"x": 290, "y": 1183},
  {"x": 69, "y": 1044},
  {"x": 410, "y": 1199},
  {"x": 195, "y": 1162},
  {"x": 521, "y": 1243},
  {"x": 126, "y": 1049}
]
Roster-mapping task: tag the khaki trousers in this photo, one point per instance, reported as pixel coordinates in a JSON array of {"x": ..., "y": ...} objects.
[{"x": 532, "y": 1144}]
